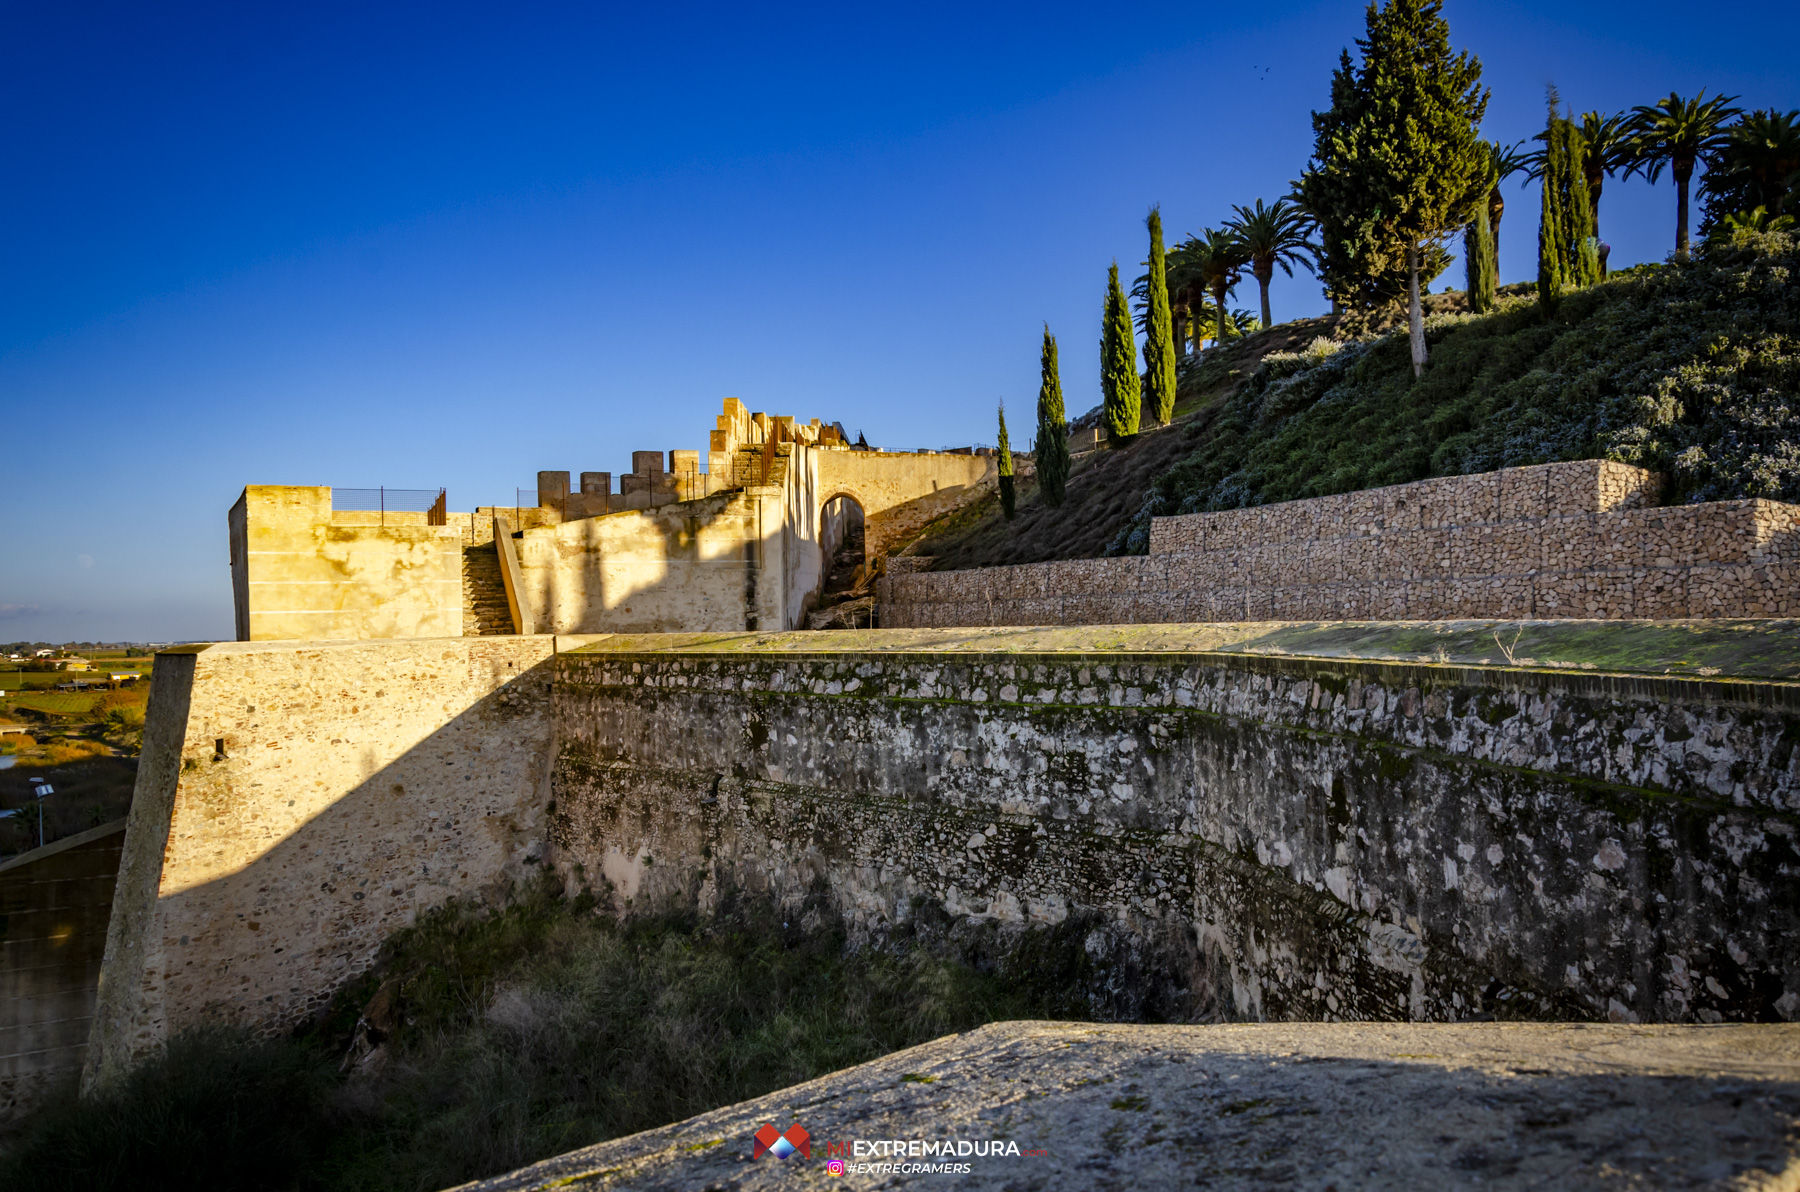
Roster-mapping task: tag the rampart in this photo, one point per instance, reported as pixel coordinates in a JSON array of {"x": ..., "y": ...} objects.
[
  {"x": 744, "y": 546},
  {"x": 1225, "y": 834},
  {"x": 295, "y": 804},
  {"x": 1581, "y": 539}
]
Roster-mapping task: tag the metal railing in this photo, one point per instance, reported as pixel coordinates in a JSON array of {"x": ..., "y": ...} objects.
[{"x": 430, "y": 501}]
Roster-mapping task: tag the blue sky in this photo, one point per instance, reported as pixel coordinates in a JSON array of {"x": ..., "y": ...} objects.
[{"x": 455, "y": 245}]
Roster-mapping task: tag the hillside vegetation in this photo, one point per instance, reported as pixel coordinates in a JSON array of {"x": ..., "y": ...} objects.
[{"x": 1690, "y": 368}]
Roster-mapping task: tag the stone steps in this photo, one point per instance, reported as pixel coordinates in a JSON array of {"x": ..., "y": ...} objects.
[{"x": 485, "y": 611}]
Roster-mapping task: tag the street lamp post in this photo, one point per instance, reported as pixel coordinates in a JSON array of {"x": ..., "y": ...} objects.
[{"x": 41, "y": 788}]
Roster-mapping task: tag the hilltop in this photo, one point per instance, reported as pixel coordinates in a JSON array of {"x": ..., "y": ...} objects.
[{"x": 1692, "y": 369}]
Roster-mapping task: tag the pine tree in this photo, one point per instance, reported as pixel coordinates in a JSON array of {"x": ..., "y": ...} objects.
[
  {"x": 1053, "y": 431},
  {"x": 1397, "y": 166},
  {"x": 1479, "y": 261},
  {"x": 1119, "y": 383},
  {"x": 1004, "y": 451},
  {"x": 1159, "y": 334},
  {"x": 1567, "y": 249}
]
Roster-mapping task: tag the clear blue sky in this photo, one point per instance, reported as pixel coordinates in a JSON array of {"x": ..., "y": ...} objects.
[{"x": 453, "y": 245}]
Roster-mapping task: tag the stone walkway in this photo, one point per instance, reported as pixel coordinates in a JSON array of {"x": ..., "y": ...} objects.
[{"x": 1303, "y": 1106}]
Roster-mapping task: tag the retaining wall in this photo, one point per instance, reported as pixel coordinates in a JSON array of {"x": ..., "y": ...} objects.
[
  {"x": 1219, "y": 835},
  {"x": 1229, "y": 836},
  {"x": 1580, "y": 539}
]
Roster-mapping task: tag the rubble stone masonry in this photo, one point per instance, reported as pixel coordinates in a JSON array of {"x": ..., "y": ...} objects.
[{"x": 1583, "y": 539}]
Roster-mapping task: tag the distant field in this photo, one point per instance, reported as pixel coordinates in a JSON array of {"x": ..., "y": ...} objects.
[{"x": 60, "y": 702}]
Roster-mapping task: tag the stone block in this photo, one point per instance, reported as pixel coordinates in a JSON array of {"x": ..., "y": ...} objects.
[
  {"x": 1402, "y": 508},
  {"x": 1511, "y": 596},
  {"x": 1386, "y": 600},
  {"x": 1524, "y": 494},
  {"x": 1365, "y": 512},
  {"x": 1332, "y": 516},
  {"x": 552, "y": 488},
  {"x": 1223, "y": 603},
  {"x": 1476, "y": 499},
  {"x": 1289, "y": 603},
  {"x": 1358, "y": 559},
  {"x": 1430, "y": 599},
  {"x": 1566, "y": 543},
  {"x": 1323, "y": 560},
  {"x": 1437, "y": 502},
  {"x": 1178, "y": 535},
  {"x": 1572, "y": 489},
  {"x": 647, "y": 463},
  {"x": 1618, "y": 540}
]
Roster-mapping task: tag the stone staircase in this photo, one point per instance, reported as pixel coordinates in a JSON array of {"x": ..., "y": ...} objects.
[{"x": 485, "y": 611}]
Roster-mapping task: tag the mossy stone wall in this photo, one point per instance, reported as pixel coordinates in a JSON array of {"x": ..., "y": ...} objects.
[{"x": 1229, "y": 836}]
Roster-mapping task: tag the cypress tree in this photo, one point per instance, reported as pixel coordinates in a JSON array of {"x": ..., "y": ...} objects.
[
  {"x": 1568, "y": 255},
  {"x": 1053, "y": 431},
  {"x": 1479, "y": 261},
  {"x": 1119, "y": 384},
  {"x": 1006, "y": 468},
  {"x": 1397, "y": 165},
  {"x": 1159, "y": 330}
]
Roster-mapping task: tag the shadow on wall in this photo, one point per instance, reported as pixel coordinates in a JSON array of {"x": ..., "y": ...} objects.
[
  {"x": 54, "y": 906},
  {"x": 296, "y": 805}
]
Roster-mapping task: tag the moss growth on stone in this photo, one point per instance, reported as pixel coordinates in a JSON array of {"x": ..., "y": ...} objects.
[{"x": 1748, "y": 649}]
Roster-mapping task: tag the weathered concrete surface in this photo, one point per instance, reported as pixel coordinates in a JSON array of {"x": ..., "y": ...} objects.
[
  {"x": 1232, "y": 835},
  {"x": 296, "y": 804},
  {"x": 54, "y": 906},
  {"x": 1311, "y": 1107}
]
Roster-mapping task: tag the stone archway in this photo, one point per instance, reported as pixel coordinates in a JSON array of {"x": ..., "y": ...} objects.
[{"x": 843, "y": 541}]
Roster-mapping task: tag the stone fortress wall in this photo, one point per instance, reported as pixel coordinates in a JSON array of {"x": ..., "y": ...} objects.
[
  {"x": 1253, "y": 836},
  {"x": 1583, "y": 539},
  {"x": 296, "y": 804},
  {"x": 745, "y": 545}
]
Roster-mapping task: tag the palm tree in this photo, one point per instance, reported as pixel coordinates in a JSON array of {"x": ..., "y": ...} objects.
[
  {"x": 1607, "y": 149},
  {"x": 1220, "y": 258},
  {"x": 1754, "y": 167},
  {"x": 1273, "y": 236},
  {"x": 1507, "y": 161},
  {"x": 1188, "y": 285},
  {"x": 1673, "y": 133}
]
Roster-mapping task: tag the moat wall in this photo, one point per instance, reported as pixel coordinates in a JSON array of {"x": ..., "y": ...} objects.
[
  {"x": 1216, "y": 835},
  {"x": 1246, "y": 837},
  {"x": 298, "y": 803}
]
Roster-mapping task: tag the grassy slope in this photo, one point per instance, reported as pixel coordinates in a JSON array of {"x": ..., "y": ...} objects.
[{"x": 1690, "y": 369}]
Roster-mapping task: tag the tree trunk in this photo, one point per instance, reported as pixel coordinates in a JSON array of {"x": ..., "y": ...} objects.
[
  {"x": 1262, "y": 280},
  {"x": 1496, "y": 208},
  {"x": 1681, "y": 211},
  {"x": 1179, "y": 316},
  {"x": 1415, "y": 315},
  {"x": 1219, "y": 314}
]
